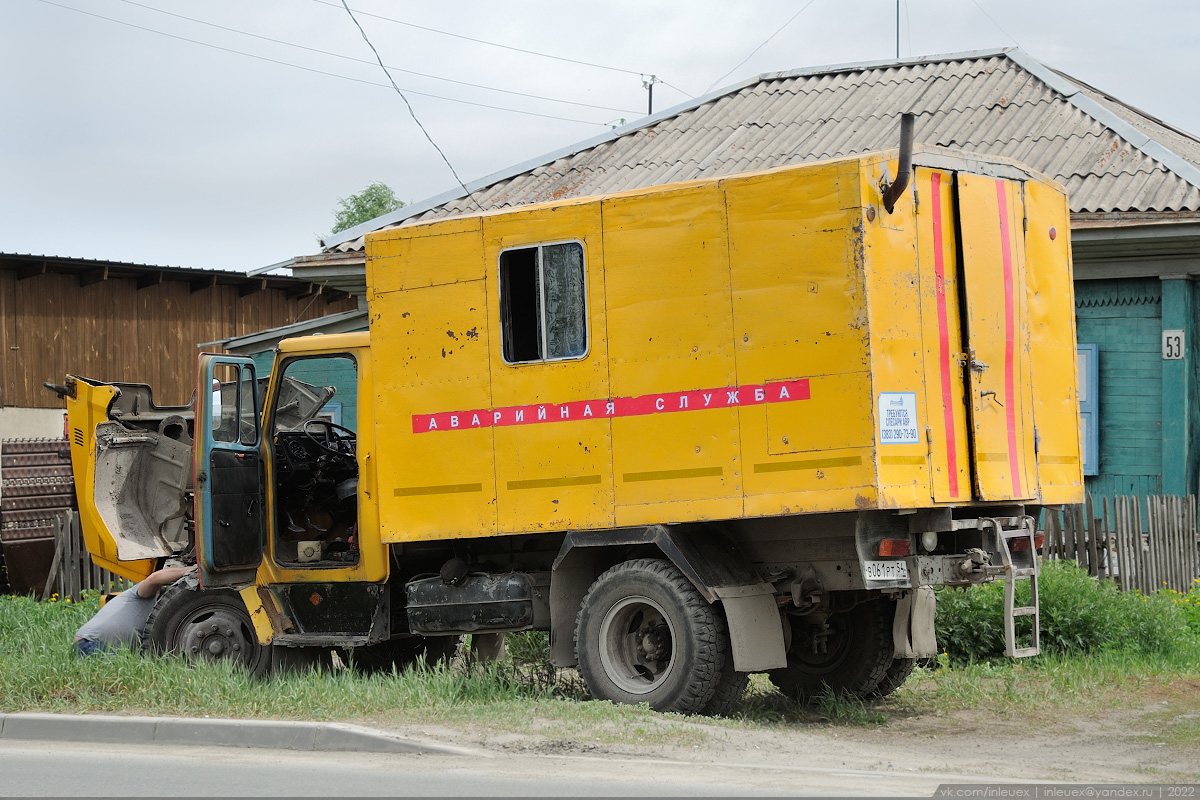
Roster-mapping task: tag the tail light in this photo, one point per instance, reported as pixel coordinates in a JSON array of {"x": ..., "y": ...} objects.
[
  {"x": 895, "y": 547},
  {"x": 1022, "y": 543}
]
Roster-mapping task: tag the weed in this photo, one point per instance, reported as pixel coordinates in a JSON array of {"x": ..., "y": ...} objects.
[
  {"x": 1108, "y": 648},
  {"x": 842, "y": 710},
  {"x": 1079, "y": 614}
]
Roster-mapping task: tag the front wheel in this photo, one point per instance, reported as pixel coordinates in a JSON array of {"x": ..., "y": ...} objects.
[
  {"x": 209, "y": 624},
  {"x": 646, "y": 635}
]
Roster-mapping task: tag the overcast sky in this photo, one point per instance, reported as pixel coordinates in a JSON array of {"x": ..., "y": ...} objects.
[{"x": 123, "y": 143}]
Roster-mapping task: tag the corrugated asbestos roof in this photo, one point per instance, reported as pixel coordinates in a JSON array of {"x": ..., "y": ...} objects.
[{"x": 1110, "y": 156}]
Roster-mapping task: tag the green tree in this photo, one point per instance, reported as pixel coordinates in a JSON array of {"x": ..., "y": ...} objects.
[{"x": 373, "y": 201}]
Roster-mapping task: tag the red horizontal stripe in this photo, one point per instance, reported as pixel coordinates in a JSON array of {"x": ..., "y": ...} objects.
[{"x": 664, "y": 403}]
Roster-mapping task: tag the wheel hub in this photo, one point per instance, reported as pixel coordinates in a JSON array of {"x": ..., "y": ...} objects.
[
  {"x": 823, "y": 648},
  {"x": 654, "y": 643},
  {"x": 214, "y": 634},
  {"x": 637, "y": 645}
]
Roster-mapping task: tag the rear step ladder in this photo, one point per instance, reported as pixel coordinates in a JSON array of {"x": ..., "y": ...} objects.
[{"x": 1020, "y": 539}]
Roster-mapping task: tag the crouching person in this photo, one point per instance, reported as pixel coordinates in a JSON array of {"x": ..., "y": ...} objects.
[{"x": 119, "y": 622}]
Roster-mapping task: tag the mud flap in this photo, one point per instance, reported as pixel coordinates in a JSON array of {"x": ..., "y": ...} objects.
[
  {"x": 913, "y": 632},
  {"x": 755, "y": 628}
]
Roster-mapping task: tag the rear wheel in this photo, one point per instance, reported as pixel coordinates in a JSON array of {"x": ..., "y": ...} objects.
[
  {"x": 850, "y": 657},
  {"x": 895, "y": 676},
  {"x": 731, "y": 685},
  {"x": 646, "y": 635},
  {"x": 209, "y": 624}
]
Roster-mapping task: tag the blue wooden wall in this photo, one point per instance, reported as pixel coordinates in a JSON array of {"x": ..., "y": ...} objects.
[
  {"x": 1124, "y": 317},
  {"x": 336, "y": 372}
]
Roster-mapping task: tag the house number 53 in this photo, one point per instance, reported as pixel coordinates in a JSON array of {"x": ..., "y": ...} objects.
[{"x": 1172, "y": 345}]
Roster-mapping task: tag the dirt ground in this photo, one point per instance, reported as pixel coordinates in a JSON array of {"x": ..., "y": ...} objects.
[{"x": 910, "y": 754}]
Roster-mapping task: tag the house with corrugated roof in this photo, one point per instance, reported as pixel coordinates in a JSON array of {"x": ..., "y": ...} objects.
[{"x": 1133, "y": 181}]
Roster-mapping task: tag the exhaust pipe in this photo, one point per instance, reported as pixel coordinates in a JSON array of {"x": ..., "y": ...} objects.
[{"x": 904, "y": 171}]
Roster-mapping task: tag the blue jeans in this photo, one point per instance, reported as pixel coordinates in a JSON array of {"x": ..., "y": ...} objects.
[{"x": 87, "y": 647}]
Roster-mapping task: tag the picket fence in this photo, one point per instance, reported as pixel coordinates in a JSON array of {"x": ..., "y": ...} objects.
[
  {"x": 1142, "y": 543},
  {"x": 71, "y": 571}
]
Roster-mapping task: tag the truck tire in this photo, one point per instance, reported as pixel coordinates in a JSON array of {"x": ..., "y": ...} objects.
[
  {"x": 403, "y": 653},
  {"x": 895, "y": 676},
  {"x": 210, "y": 624},
  {"x": 857, "y": 654},
  {"x": 731, "y": 685},
  {"x": 645, "y": 635}
]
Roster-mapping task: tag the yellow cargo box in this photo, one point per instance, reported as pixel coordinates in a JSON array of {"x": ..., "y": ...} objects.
[{"x": 772, "y": 343}]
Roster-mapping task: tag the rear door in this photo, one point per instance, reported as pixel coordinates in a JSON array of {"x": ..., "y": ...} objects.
[
  {"x": 991, "y": 224},
  {"x": 941, "y": 284},
  {"x": 228, "y": 477}
]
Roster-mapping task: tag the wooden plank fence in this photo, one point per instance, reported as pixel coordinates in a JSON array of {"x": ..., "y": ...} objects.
[
  {"x": 1141, "y": 543},
  {"x": 1148, "y": 551},
  {"x": 72, "y": 572}
]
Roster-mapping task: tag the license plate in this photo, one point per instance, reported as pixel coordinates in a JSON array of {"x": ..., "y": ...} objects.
[{"x": 886, "y": 570}]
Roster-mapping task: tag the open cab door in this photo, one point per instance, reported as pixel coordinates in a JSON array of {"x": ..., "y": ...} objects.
[{"x": 228, "y": 472}]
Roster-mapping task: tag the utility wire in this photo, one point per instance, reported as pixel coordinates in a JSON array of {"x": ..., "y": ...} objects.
[
  {"x": 492, "y": 44},
  {"x": 368, "y": 61},
  {"x": 676, "y": 88},
  {"x": 412, "y": 113},
  {"x": 761, "y": 46},
  {"x": 997, "y": 24},
  {"x": 908, "y": 29},
  {"x": 317, "y": 71}
]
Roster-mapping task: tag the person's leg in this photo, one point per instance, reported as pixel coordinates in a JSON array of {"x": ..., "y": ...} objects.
[{"x": 87, "y": 647}]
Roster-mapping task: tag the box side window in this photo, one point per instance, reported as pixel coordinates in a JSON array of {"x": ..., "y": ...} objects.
[{"x": 543, "y": 307}]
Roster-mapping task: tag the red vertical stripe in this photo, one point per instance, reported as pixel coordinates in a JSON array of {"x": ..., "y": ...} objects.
[
  {"x": 1010, "y": 406},
  {"x": 939, "y": 271}
]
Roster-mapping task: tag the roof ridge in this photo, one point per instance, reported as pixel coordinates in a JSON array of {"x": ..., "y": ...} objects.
[
  {"x": 1069, "y": 88},
  {"x": 1065, "y": 87},
  {"x": 418, "y": 208},
  {"x": 1122, "y": 103}
]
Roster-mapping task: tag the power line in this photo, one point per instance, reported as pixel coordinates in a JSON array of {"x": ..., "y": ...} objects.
[
  {"x": 485, "y": 41},
  {"x": 761, "y": 46},
  {"x": 676, "y": 88},
  {"x": 367, "y": 61},
  {"x": 317, "y": 71},
  {"x": 908, "y": 29},
  {"x": 997, "y": 24},
  {"x": 412, "y": 113}
]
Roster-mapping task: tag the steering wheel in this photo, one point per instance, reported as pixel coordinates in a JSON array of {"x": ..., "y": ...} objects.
[{"x": 338, "y": 441}]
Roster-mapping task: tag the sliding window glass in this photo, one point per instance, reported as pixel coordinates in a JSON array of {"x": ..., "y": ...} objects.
[{"x": 543, "y": 308}]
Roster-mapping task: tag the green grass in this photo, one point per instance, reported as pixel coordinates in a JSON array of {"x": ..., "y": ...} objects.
[
  {"x": 1079, "y": 614},
  {"x": 38, "y": 671},
  {"x": 1104, "y": 651}
]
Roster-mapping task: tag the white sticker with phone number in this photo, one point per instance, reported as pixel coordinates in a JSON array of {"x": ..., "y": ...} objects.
[
  {"x": 898, "y": 418},
  {"x": 886, "y": 570}
]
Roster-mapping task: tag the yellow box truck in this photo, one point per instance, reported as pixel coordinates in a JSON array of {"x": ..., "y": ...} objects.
[{"x": 696, "y": 431}]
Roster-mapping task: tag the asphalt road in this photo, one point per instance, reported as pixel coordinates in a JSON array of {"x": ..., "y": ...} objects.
[{"x": 92, "y": 770}]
